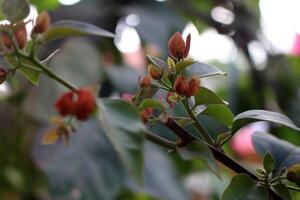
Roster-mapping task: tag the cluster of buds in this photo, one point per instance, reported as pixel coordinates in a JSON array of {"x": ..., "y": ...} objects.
[
  {"x": 42, "y": 23},
  {"x": 185, "y": 87},
  {"x": 19, "y": 34},
  {"x": 178, "y": 48},
  {"x": 80, "y": 104}
]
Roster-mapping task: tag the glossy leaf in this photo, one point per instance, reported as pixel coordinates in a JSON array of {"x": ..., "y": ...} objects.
[
  {"x": 268, "y": 162},
  {"x": 261, "y": 115},
  {"x": 153, "y": 103},
  {"x": 242, "y": 187},
  {"x": 74, "y": 28},
  {"x": 125, "y": 130},
  {"x": 183, "y": 121},
  {"x": 203, "y": 70},
  {"x": 284, "y": 153},
  {"x": 26, "y": 68},
  {"x": 206, "y": 96},
  {"x": 217, "y": 111},
  {"x": 181, "y": 65},
  {"x": 282, "y": 191},
  {"x": 199, "y": 151},
  {"x": 15, "y": 10},
  {"x": 158, "y": 62}
]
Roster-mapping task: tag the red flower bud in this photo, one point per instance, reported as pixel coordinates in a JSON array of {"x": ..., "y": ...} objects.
[
  {"x": 42, "y": 23},
  {"x": 6, "y": 40},
  {"x": 180, "y": 85},
  {"x": 3, "y": 75},
  {"x": 84, "y": 105},
  {"x": 81, "y": 106},
  {"x": 145, "y": 82},
  {"x": 21, "y": 36},
  {"x": 154, "y": 72},
  {"x": 146, "y": 114},
  {"x": 193, "y": 87},
  {"x": 177, "y": 47},
  {"x": 65, "y": 104}
]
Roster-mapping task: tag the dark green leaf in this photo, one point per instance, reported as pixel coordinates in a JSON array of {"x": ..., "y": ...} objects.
[
  {"x": 74, "y": 28},
  {"x": 153, "y": 103},
  {"x": 26, "y": 68},
  {"x": 242, "y": 187},
  {"x": 15, "y": 10},
  {"x": 261, "y": 115},
  {"x": 125, "y": 130},
  {"x": 183, "y": 121},
  {"x": 203, "y": 70},
  {"x": 282, "y": 191},
  {"x": 158, "y": 62},
  {"x": 206, "y": 96},
  {"x": 284, "y": 153},
  {"x": 199, "y": 151},
  {"x": 183, "y": 64},
  {"x": 217, "y": 111},
  {"x": 268, "y": 162}
]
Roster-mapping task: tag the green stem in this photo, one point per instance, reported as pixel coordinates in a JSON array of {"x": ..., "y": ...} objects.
[
  {"x": 293, "y": 188},
  {"x": 198, "y": 124},
  {"x": 48, "y": 72}
]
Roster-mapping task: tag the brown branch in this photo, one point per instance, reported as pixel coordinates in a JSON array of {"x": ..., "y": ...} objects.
[{"x": 218, "y": 154}]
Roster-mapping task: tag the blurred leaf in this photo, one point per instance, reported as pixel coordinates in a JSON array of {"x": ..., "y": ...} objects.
[
  {"x": 158, "y": 62},
  {"x": 153, "y": 103},
  {"x": 15, "y": 10},
  {"x": 261, "y": 115},
  {"x": 203, "y": 70},
  {"x": 284, "y": 153},
  {"x": 282, "y": 191},
  {"x": 199, "y": 151},
  {"x": 88, "y": 166},
  {"x": 45, "y": 4},
  {"x": 74, "y": 28},
  {"x": 206, "y": 96},
  {"x": 243, "y": 187},
  {"x": 217, "y": 111},
  {"x": 26, "y": 68},
  {"x": 268, "y": 162},
  {"x": 125, "y": 130}
]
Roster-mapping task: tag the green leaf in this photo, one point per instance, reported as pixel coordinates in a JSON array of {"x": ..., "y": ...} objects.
[
  {"x": 153, "y": 103},
  {"x": 183, "y": 121},
  {"x": 268, "y": 162},
  {"x": 15, "y": 10},
  {"x": 261, "y": 115},
  {"x": 281, "y": 190},
  {"x": 74, "y": 28},
  {"x": 284, "y": 153},
  {"x": 158, "y": 62},
  {"x": 181, "y": 65},
  {"x": 27, "y": 68},
  {"x": 217, "y": 111},
  {"x": 242, "y": 187},
  {"x": 206, "y": 96},
  {"x": 200, "y": 151},
  {"x": 203, "y": 70},
  {"x": 125, "y": 130}
]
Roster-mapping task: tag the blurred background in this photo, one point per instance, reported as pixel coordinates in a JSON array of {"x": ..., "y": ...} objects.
[{"x": 257, "y": 42}]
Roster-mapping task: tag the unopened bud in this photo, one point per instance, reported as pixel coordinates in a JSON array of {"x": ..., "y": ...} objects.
[
  {"x": 154, "y": 72},
  {"x": 177, "y": 47},
  {"x": 3, "y": 75},
  {"x": 146, "y": 114},
  {"x": 193, "y": 87},
  {"x": 42, "y": 23},
  {"x": 145, "y": 82},
  {"x": 180, "y": 85},
  {"x": 6, "y": 40},
  {"x": 21, "y": 36}
]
